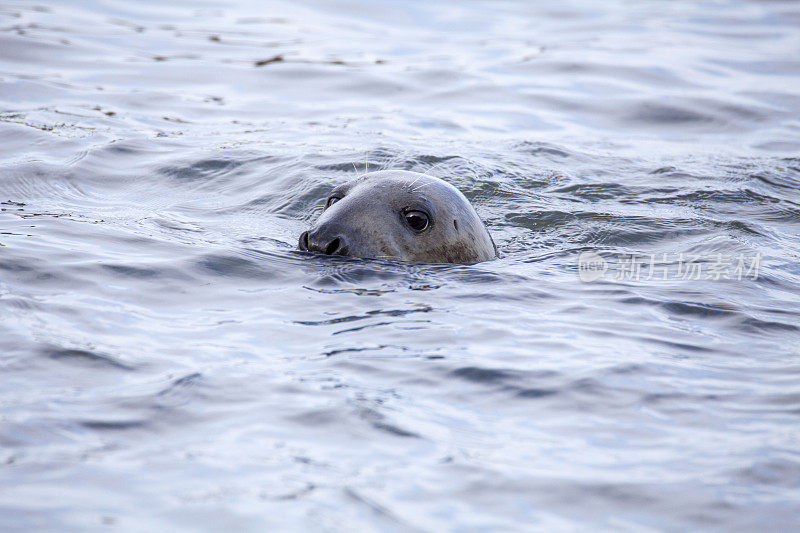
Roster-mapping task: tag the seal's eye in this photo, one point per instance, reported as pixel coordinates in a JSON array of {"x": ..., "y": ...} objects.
[
  {"x": 417, "y": 220},
  {"x": 332, "y": 200}
]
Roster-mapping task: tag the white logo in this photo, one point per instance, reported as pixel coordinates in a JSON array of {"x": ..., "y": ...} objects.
[{"x": 591, "y": 267}]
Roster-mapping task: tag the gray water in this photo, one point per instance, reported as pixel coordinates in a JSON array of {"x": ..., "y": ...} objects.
[{"x": 170, "y": 362}]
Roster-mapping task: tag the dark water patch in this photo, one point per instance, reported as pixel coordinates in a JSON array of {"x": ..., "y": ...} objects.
[
  {"x": 532, "y": 394},
  {"x": 777, "y": 180},
  {"x": 369, "y": 349},
  {"x": 233, "y": 266},
  {"x": 387, "y": 519},
  {"x": 35, "y": 181},
  {"x": 778, "y": 472},
  {"x": 680, "y": 347},
  {"x": 368, "y": 314},
  {"x": 356, "y": 291},
  {"x": 780, "y": 68},
  {"x": 671, "y": 174},
  {"x": 740, "y": 227},
  {"x": 113, "y": 425},
  {"x": 394, "y": 430},
  {"x": 659, "y": 399},
  {"x": 669, "y": 115},
  {"x": 30, "y": 436},
  {"x": 85, "y": 358},
  {"x": 544, "y": 150},
  {"x": 410, "y": 324},
  {"x": 187, "y": 381},
  {"x": 697, "y": 112},
  {"x": 178, "y": 226},
  {"x": 482, "y": 375},
  {"x": 21, "y": 304},
  {"x": 317, "y": 418},
  {"x": 379, "y": 421},
  {"x": 593, "y": 192},
  {"x": 155, "y": 273},
  {"x": 181, "y": 392},
  {"x": 620, "y": 230},
  {"x": 697, "y": 310},
  {"x": 589, "y": 387},
  {"x": 206, "y": 170},
  {"x": 540, "y": 220},
  {"x": 17, "y": 267},
  {"x": 134, "y": 272},
  {"x": 755, "y": 325}
]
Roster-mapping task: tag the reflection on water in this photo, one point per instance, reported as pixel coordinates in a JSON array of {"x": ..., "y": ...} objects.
[{"x": 165, "y": 347}]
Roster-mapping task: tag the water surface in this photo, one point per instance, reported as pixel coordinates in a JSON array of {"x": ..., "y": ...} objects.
[{"x": 171, "y": 363}]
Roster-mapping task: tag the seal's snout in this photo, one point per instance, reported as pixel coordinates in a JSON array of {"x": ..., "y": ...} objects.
[{"x": 321, "y": 241}]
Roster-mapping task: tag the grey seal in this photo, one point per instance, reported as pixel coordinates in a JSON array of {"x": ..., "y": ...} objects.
[{"x": 402, "y": 216}]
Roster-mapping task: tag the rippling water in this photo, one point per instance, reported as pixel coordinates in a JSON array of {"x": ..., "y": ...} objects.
[{"x": 171, "y": 363}]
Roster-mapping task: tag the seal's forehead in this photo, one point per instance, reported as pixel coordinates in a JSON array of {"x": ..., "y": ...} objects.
[
  {"x": 399, "y": 189},
  {"x": 409, "y": 182},
  {"x": 403, "y": 189}
]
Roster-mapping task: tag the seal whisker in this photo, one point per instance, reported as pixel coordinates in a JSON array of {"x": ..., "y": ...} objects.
[{"x": 428, "y": 171}]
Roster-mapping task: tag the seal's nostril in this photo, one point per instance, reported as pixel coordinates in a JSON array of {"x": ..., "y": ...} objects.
[
  {"x": 333, "y": 247},
  {"x": 323, "y": 240}
]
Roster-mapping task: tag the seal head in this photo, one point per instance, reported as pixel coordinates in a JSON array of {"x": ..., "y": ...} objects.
[{"x": 403, "y": 216}]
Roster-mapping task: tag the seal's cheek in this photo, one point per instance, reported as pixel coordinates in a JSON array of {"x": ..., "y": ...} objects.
[
  {"x": 380, "y": 244},
  {"x": 419, "y": 248}
]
